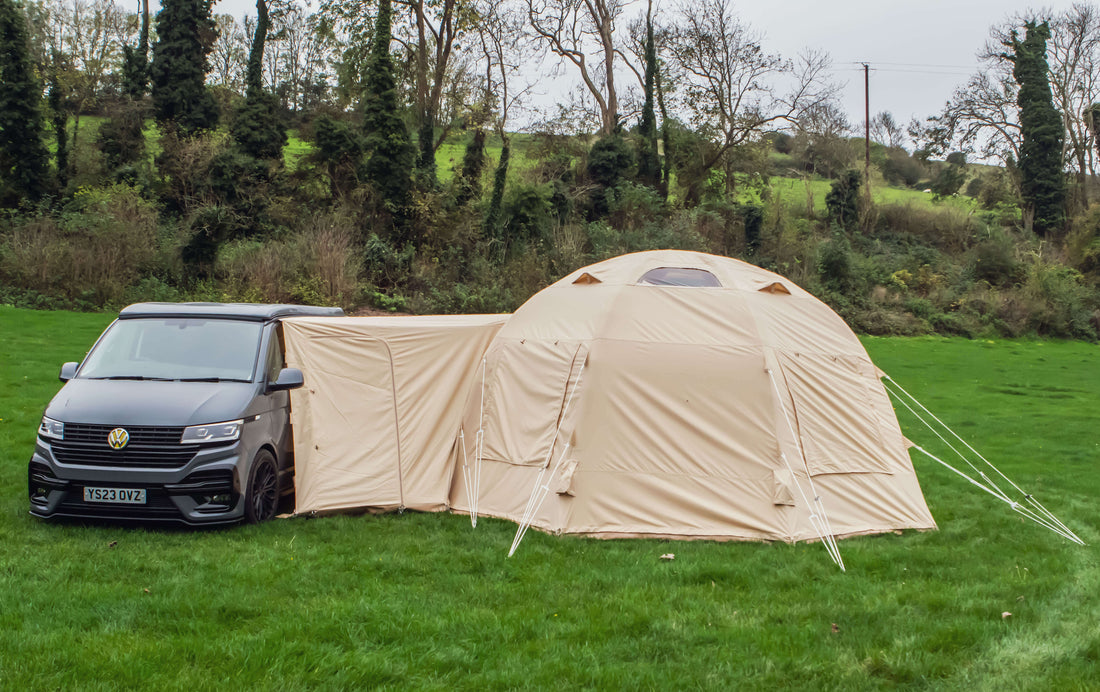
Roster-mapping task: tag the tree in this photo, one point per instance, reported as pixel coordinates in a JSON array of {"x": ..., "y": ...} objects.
[
  {"x": 501, "y": 40},
  {"x": 1042, "y": 182},
  {"x": 229, "y": 53},
  {"x": 23, "y": 155},
  {"x": 821, "y": 141},
  {"x": 473, "y": 163},
  {"x": 842, "y": 200},
  {"x": 258, "y": 129},
  {"x": 390, "y": 154},
  {"x": 185, "y": 35},
  {"x": 1074, "y": 53},
  {"x": 135, "y": 62},
  {"x": 649, "y": 164},
  {"x": 59, "y": 112},
  {"x": 728, "y": 79},
  {"x": 1093, "y": 117},
  {"x": 577, "y": 31},
  {"x": 886, "y": 131}
]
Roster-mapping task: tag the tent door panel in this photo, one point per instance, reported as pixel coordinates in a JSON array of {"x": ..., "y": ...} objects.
[
  {"x": 836, "y": 421},
  {"x": 528, "y": 384}
]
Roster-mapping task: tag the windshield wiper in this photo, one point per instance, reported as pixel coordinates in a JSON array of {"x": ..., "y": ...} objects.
[
  {"x": 132, "y": 377},
  {"x": 211, "y": 379}
]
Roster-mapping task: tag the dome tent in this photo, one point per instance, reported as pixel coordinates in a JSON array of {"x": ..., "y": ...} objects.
[{"x": 683, "y": 395}]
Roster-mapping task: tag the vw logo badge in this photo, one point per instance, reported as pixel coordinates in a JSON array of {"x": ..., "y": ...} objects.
[{"x": 118, "y": 438}]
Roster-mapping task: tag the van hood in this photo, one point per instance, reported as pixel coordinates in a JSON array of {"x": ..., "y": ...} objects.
[{"x": 167, "y": 404}]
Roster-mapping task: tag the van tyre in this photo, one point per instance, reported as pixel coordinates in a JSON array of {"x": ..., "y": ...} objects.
[{"x": 263, "y": 489}]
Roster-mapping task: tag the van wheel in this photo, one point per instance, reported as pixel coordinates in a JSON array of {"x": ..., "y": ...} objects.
[{"x": 263, "y": 489}]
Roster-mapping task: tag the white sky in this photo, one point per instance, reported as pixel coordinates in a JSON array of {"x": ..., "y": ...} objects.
[{"x": 918, "y": 51}]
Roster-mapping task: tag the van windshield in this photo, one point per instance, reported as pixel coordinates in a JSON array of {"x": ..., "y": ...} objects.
[{"x": 193, "y": 349}]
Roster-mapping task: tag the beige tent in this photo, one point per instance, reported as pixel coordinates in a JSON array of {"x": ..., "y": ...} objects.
[
  {"x": 684, "y": 395},
  {"x": 375, "y": 425}
]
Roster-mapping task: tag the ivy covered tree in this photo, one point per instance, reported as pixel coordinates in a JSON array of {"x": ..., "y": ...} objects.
[
  {"x": 842, "y": 201},
  {"x": 258, "y": 129},
  {"x": 185, "y": 33},
  {"x": 1093, "y": 116},
  {"x": 1042, "y": 180},
  {"x": 59, "y": 112},
  {"x": 390, "y": 153},
  {"x": 473, "y": 164},
  {"x": 649, "y": 164},
  {"x": 135, "y": 61},
  {"x": 24, "y": 161}
]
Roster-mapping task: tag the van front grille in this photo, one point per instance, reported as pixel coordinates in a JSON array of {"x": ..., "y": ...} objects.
[
  {"x": 144, "y": 435},
  {"x": 148, "y": 447}
]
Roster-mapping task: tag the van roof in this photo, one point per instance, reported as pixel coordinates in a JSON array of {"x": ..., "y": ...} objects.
[{"x": 258, "y": 312}]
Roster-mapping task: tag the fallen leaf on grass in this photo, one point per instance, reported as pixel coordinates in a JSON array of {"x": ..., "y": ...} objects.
[
  {"x": 145, "y": 590},
  {"x": 836, "y": 628}
]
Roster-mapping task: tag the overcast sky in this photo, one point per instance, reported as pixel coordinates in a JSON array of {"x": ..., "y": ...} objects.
[{"x": 918, "y": 51}]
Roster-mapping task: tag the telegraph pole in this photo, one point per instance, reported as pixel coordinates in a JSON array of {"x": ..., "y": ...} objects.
[{"x": 867, "y": 129}]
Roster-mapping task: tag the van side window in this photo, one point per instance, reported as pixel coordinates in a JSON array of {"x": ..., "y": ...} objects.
[{"x": 275, "y": 361}]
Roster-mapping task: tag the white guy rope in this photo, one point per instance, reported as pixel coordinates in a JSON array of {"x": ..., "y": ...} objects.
[
  {"x": 472, "y": 478},
  {"x": 1014, "y": 505},
  {"x": 535, "y": 501},
  {"x": 1027, "y": 496},
  {"x": 820, "y": 523},
  {"x": 991, "y": 488},
  {"x": 1043, "y": 517},
  {"x": 466, "y": 478}
]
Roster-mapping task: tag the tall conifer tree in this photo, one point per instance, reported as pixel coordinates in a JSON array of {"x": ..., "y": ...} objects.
[
  {"x": 24, "y": 161},
  {"x": 649, "y": 164},
  {"x": 135, "y": 61},
  {"x": 1042, "y": 178},
  {"x": 258, "y": 129},
  {"x": 185, "y": 31},
  {"x": 390, "y": 154}
]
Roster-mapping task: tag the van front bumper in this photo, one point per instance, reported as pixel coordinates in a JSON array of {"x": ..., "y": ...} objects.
[{"x": 207, "y": 490}]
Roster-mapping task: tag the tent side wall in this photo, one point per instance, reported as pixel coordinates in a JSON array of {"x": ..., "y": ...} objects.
[{"x": 375, "y": 424}]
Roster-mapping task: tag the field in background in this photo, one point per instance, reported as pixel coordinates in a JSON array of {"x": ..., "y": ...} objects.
[{"x": 423, "y": 601}]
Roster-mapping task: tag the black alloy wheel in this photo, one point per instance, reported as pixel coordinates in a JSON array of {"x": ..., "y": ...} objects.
[{"x": 263, "y": 489}]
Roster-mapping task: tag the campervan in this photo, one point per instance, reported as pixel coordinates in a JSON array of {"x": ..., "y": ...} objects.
[{"x": 179, "y": 413}]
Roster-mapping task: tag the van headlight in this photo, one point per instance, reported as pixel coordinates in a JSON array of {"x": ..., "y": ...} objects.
[
  {"x": 53, "y": 429},
  {"x": 215, "y": 432}
]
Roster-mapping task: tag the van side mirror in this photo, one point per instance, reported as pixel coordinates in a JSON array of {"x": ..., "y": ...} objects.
[
  {"x": 289, "y": 378},
  {"x": 68, "y": 371}
]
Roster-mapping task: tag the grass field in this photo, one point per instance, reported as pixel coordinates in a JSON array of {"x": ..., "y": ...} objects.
[{"x": 422, "y": 601}]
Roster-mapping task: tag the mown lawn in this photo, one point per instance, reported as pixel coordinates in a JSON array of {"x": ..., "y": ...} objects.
[{"x": 423, "y": 601}]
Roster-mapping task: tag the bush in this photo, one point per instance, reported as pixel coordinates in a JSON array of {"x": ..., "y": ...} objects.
[
  {"x": 834, "y": 263},
  {"x": 842, "y": 202},
  {"x": 90, "y": 253},
  {"x": 994, "y": 261},
  {"x": 1059, "y": 303},
  {"x": 900, "y": 168}
]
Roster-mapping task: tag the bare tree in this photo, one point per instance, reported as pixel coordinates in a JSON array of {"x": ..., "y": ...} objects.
[
  {"x": 304, "y": 52},
  {"x": 731, "y": 86},
  {"x": 229, "y": 53},
  {"x": 980, "y": 117},
  {"x": 1075, "y": 85},
  {"x": 582, "y": 33},
  {"x": 887, "y": 131}
]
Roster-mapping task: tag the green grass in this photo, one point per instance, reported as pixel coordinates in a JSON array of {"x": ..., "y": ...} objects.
[
  {"x": 422, "y": 601},
  {"x": 796, "y": 193}
]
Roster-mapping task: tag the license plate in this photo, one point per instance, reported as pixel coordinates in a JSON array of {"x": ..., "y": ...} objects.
[{"x": 126, "y": 496}]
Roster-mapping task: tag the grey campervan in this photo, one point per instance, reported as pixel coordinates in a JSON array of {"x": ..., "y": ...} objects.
[{"x": 179, "y": 413}]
